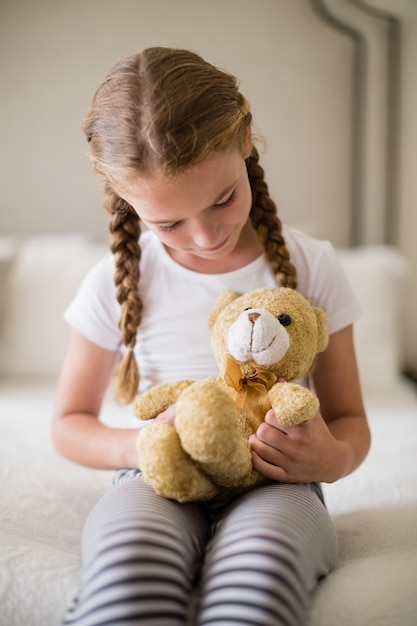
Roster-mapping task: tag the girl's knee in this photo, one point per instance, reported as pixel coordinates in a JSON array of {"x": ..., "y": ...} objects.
[{"x": 133, "y": 513}]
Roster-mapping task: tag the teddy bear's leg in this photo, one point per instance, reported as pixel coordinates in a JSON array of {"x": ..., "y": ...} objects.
[
  {"x": 207, "y": 424},
  {"x": 292, "y": 403},
  {"x": 167, "y": 468}
]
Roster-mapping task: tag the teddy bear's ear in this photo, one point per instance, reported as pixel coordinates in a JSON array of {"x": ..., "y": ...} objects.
[
  {"x": 322, "y": 330},
  {"x": 224, "y": 300}
]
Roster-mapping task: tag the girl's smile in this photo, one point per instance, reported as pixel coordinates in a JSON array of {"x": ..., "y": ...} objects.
[
  {"x": 217, "y": 247},
  {"x": 201, "y": 216}
]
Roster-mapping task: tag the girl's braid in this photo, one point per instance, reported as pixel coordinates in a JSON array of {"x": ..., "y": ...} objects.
[
  {"x": 124, "y": 244},
  {"x": 268, "y": 225}
]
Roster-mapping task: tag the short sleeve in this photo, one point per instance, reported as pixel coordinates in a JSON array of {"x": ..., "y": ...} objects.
[
  {"x": 333, "y": 291},
  {"x": 322, "y": 279},
  {"x": 95, "y": 312}
]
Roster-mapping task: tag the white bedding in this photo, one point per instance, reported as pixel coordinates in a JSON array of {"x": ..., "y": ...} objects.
[
  {"x": 375, "y": 513},
  {"x": 45, "y": 499}
]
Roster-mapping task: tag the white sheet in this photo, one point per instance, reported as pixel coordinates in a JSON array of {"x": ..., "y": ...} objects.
[
  {"x": 45, "y": 499},
  {"x": 388, "y": 475}
]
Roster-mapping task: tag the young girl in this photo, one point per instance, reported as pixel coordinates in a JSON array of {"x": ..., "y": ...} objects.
[{"x": 170, "y": 135}]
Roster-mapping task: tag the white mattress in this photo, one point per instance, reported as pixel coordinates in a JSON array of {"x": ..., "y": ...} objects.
[{"x": 45, "y": 499}]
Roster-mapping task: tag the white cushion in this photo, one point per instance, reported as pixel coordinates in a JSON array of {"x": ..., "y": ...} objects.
[
  {"x": 42, "y": 280},
  {"x": 39, "y": 279},
  {"x": 377, "y": 274}
]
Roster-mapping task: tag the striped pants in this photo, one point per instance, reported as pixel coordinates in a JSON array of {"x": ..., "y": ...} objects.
[{"x": 255, "y": 560}]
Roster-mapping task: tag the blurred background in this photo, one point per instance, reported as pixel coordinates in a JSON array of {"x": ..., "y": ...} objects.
[{"x": 333, "y": 87}]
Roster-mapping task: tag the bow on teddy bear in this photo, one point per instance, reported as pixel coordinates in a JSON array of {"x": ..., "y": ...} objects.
[{"x": 258, "y": 339}]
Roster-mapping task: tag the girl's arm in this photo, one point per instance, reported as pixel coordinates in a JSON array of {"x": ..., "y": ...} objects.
[
  {"x": 336, "y": 441},
  {"x": 341, "y": 404},
  {"x": 76, "y": 430}
]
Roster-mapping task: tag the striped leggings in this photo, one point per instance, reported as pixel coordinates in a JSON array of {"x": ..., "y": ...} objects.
[{"x": 253, "y": 561}]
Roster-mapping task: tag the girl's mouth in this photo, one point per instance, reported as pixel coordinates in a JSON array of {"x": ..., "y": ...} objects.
[{"x": 217, "y": 247}]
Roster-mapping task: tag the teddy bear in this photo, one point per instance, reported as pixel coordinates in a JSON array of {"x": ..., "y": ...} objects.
[{"x": 262, "y": 341}]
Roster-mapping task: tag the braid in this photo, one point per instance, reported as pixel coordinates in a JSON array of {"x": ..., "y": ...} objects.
[
  {"x": 125, "y": 232},
  {"x": 268, "y": 225}
]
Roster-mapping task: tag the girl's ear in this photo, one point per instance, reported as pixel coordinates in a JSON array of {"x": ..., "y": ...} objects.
[{"x": 247, "y": 143}]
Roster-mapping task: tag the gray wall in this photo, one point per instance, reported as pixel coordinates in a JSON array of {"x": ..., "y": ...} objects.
[
  {"x": 296, "y": 71},
  {"x": 54, "y": 52}
]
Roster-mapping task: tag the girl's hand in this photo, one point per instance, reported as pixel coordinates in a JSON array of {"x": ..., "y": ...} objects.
[
  {"x": 168, "y": 415},
  {"x": 294, "y": 454}
]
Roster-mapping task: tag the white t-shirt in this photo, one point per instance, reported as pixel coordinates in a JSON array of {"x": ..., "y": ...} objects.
[{"x": 173, "y": 341}]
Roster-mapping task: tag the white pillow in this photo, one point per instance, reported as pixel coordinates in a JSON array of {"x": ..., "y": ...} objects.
[
  {"x": 43, "y": 279},
  {"x": 377, "y": 274},
  {"x": 39, "y": 279}
]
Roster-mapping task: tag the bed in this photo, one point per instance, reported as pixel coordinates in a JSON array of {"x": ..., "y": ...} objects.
[{"x": 45, "y": 499}]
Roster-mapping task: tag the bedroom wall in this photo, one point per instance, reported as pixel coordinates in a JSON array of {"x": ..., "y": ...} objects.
[
  {"x": 53, "y": 54},
  {"x": 296, "y": 71}
]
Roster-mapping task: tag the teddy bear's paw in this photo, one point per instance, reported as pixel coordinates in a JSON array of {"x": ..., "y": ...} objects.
[
  {"x": 292, "y": 403},
  {"x": 154, "y": 400},
  {"x": 167, "y": 468}
]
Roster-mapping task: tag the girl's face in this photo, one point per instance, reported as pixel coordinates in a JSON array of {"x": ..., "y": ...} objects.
[{"x": 201, "y": 213}]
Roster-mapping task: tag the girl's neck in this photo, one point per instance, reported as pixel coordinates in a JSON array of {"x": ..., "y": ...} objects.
[{"x": 248, "y": 249}]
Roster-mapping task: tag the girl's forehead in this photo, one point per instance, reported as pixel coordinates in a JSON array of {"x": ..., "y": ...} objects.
[{"x": 203, "y": 184}]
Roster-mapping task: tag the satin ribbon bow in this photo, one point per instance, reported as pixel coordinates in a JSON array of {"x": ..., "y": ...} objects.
[{"x": 251, "y": 387}]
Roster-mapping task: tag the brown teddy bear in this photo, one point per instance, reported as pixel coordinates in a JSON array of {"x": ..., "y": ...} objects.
[{"x": 257, "y": 339}]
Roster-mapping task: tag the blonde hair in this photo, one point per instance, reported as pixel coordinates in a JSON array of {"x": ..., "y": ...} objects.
[{"x": 167, "y": 109}]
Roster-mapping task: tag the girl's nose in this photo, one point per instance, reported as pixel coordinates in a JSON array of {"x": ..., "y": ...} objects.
[{"x": 205, "y": 233}]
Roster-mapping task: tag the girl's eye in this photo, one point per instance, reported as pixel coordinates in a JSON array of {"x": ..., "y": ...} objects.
[
  {"x": 169, "y": 228},
  {"x": 221, "y": 205},
  {"x": 226, "y": 203}
]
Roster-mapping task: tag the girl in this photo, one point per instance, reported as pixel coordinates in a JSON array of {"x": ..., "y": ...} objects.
[{"x": 170, "y": 135}]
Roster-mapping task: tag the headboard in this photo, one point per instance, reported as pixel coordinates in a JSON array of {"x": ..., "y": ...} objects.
[{"x": 375, "y": 37}]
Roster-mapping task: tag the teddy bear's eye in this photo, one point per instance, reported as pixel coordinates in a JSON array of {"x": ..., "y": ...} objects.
[{"x": 284, "y": 319}]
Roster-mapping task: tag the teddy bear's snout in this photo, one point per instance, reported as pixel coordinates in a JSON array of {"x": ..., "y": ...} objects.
[{"x": 257, "y": 335}]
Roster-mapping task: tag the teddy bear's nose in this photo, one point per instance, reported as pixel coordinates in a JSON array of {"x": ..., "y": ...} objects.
[{"x": 253, "y": 316}]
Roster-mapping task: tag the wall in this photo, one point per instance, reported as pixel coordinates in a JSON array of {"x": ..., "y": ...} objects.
[
  {"x": 53, "y": 53},
  {"x": 296, "y": 71}
]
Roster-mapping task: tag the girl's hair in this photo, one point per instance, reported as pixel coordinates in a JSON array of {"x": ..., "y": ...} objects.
[{"x": 167, "y": 109}]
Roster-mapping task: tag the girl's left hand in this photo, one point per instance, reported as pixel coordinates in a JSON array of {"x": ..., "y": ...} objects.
[{"x": 295, "y": 454}]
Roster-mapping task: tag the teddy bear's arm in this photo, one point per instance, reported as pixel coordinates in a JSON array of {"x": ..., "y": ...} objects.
[{"x": 153, "y": 401}]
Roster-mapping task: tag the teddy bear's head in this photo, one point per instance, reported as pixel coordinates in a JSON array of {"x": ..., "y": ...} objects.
[{"x": 275, "y": 329}]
